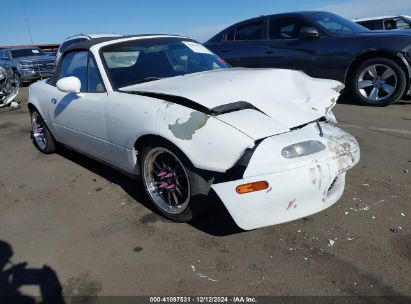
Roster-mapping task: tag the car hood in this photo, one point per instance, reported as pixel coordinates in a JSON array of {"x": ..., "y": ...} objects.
[{"x": 263, "y": 102}]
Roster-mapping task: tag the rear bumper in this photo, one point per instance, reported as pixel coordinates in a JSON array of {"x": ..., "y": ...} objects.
[{"x": 297, "y": 187}]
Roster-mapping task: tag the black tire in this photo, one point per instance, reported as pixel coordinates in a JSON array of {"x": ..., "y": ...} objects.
[
  {"x": 395, "y": 83},
  {"x": 198, "y": 187},
  {"x": 46, "y": 146}
]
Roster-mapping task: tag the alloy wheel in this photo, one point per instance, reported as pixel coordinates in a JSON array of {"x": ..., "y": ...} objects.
[
  {"x": 166, "y": 180},
  {"x": 377, "y": 82},
  {"x": 38, "y": 129}
]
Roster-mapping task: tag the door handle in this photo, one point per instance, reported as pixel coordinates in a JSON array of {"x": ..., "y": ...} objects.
[
  {"x": 224, "y": 51},
  {"x": 53, "y": 101}
]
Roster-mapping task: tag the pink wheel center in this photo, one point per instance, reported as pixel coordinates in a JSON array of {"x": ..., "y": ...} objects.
[
  {"x": 166, "y": 183},
  {"x": 38, "y": 132}
]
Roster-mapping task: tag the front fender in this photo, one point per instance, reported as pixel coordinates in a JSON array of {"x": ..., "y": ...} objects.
[
  {"x": 210, "y": 144},
  {"x": 38, "y": 97}
]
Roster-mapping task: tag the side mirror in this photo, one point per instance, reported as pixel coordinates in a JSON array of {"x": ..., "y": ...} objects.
[
  {"x": 309, "y": 32},
  {"x": 69, "y": 84}
]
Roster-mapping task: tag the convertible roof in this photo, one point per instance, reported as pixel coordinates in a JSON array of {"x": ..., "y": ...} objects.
[{"x": 87, "y": 44}]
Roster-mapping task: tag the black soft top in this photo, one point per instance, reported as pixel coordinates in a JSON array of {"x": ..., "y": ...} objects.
[{"x": 87, "y": 44}]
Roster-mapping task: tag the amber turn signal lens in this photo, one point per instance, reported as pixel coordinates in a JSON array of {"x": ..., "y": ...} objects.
[{"x": 251, "y": 187}]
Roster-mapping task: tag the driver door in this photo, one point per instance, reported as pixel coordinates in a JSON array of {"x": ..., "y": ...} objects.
[
  {"x": 79, "y": 119},
  {"x": 288, "y": 49}
]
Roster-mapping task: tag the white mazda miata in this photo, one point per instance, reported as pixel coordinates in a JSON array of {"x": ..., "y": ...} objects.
[{"x": 167, "y": 109}]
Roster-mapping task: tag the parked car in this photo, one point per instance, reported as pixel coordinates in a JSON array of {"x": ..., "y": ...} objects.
[
  {"x": 27, "y": 63},
  {"x": 386, "y": 23},
  {"x": 375, "y": 66},
  {"x": 167, "y": 109},
  {"x": 79, "y": 38},
  {"x": 52, "y": 53}
]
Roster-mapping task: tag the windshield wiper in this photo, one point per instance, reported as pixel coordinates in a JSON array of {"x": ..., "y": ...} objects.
[{"x": 147, "y": 79}]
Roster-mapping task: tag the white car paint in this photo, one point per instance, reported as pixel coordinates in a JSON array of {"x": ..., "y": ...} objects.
[
  {"x": 312, "y": 175},
  {"x": 69, "y": 84},
  {"x": 289, "y": 98},
  {"x": 215, "y": 153},
  {"x": 107, "y": 125}
]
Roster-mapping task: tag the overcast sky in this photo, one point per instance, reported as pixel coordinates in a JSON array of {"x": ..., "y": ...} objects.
[{"x": 51, "y": 21}]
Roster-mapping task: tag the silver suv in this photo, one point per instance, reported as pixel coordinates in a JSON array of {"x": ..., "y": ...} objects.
[{"x": 27, "y": 63}]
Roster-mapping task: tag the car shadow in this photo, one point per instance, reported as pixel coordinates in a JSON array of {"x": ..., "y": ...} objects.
[
  {"x": 14, "y": 276},
  {"x": 216, "y": 222},
  {"x": 347, "y": 99},
  {"x": 64, "y": 103}
]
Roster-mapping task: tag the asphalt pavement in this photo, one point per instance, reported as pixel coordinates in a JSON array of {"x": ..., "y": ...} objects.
[{"x": 97, "y": 231}]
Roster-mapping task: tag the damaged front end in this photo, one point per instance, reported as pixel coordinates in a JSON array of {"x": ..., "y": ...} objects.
[
  {"x": 304, "y": 171},
  {"x": 257, "y": 102},
  {"x": 284, "y": 159}
]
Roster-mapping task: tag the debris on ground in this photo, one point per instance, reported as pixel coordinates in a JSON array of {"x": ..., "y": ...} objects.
[
  {"x": 193, "y": 268},
  {"x": 14, "y": 105},
  {"x": 331, "y": 243},
  {"x": 366, "y": 208}
]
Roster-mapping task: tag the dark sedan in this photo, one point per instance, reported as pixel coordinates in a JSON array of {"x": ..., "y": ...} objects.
[{"x": 375, "y": 66}]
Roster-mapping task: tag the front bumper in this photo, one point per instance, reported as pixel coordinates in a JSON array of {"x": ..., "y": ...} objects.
[
  {"x": 28, "y": 75},
  {"x": 297, "y": 187}
]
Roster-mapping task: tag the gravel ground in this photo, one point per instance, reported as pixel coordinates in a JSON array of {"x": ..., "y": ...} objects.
[{"x": 96, "y": 229}]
